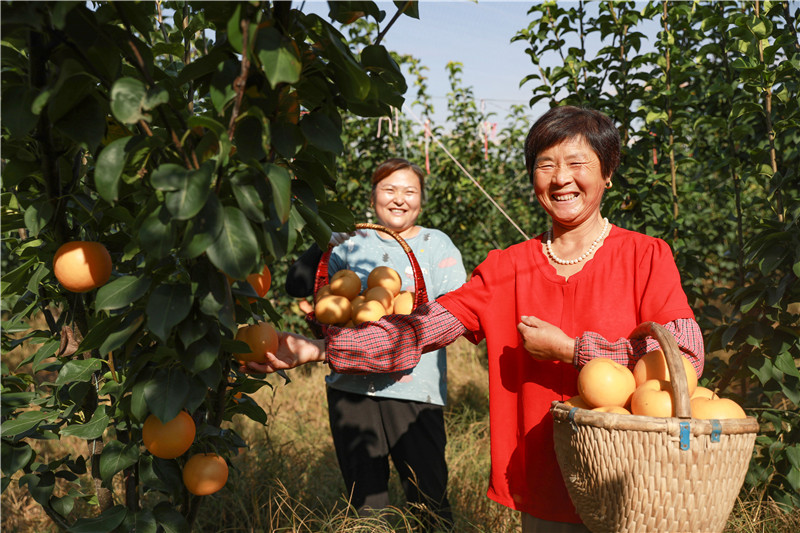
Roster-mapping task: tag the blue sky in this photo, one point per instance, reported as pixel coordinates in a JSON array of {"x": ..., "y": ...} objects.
[{"x": 476, "y": 34}]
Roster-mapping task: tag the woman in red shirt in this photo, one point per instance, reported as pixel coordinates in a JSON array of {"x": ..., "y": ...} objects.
[{"x": 545, "y": 307}]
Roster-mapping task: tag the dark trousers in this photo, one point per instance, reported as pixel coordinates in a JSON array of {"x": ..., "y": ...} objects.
[{"x": 368, "y": 430}]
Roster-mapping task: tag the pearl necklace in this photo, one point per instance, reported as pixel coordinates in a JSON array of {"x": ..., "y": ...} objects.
[{"x": 583, "y": 256}]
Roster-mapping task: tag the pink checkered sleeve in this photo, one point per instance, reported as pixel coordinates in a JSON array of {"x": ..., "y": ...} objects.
[
  {"x": 392, "y": 344},
  {"x": 626, "y": 351}
]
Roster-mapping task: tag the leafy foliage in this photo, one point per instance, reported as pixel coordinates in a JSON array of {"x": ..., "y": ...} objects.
[{"x": 196, "y": 151}]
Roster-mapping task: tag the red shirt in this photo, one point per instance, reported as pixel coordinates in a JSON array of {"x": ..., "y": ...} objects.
[{"x": 632, "y": 278}]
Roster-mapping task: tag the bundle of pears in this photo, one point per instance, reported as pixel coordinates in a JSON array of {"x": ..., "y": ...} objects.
[
  {"x": 605, "y": 385},
  {"x": 342, "y": 303}
]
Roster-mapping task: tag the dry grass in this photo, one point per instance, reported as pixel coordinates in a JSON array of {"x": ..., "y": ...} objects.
[{"x": 288, "y": 479}]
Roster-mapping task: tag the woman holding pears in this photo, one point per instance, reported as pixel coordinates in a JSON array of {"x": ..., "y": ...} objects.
[
  {"x": 397, "y": 414},
  {"x": 545, "y": 307}
]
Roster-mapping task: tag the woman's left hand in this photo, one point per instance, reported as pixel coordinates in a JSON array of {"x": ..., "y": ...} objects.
[{"x": 544, "y": 341}]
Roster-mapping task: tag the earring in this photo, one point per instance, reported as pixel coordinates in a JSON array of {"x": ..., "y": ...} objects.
[{"x": 608, "y": 184}]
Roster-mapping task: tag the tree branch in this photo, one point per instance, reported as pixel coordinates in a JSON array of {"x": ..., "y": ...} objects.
[{"x": 241, "y": 81}]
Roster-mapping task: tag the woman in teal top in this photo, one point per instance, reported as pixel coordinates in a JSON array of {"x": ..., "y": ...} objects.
[{"x": 377, "y": 416}]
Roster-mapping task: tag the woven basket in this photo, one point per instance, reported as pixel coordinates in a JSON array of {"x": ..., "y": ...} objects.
[
  {"x": 322, "y": 279},
  {"x": 630, "y": 473}
]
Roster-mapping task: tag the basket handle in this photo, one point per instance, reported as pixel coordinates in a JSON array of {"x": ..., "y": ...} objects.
[
  {"x": 680, "y": 385},
  {"x": 420, "y": 292}
]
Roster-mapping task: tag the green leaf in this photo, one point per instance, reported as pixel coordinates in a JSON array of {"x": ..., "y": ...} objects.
[
  {"x": 201, "y": 354},
  {"x": 92, "y": 429},
  {"x": 138, "y": 403},
  {"x": 145, "y": 522},
  {"x": 155, "y": 97},
  {"x": 785, "y": 363},
  {"x": 16, "y": 110},
  {"x": 23, "y": 422},
  {"x": 218, "y": 131},
  {"x": 37, "y": 215},
  {"x": 281, "y": 182},
  {"x": 39, "y": 485},
  {"x": 656, "y": 116},
  {"x": 234, "y": 28},
  {"x": 350, "y": 77},
  {"x": 174, "y": 49},
  {"x": 98, "y": 334},
  {"x": 764, "y": 371},
  {"x": 315, "y": 225},
  {"x": 108, "y": 521},
  {"x": 410, "y": 8},
  {"x": 116, "y": 457},
  {"x": 118, "y": 338},
  {"x": 249, "y": 198},
  {"x": 170, "y": 519},
  {"x": 337, "y": 215},
  {"x": 14, "y": 457},
  {"x": 167, "y": 306},
  {"x": 78, "y": 370},
  {"x": 121, "y": 292},
  {"x": 108, "y": 170},
  {"x": 47, "y": 349},
  {"x": 249, "y": 138},
  {"x": 320, "y": 131},
  {"x": 157, "y": 233},
  {"x": 190, "y": 197},
  {"x": 214, "y": 295},
  {"x": 64, "y": 504},
  {"x": 251, "y": 410},
  {"x": 169, "y": 177},
  {"x": 221, "y": 89},
  {"x": 286, "y": 138},
  {"x": 203, "y": 229},
  {"x": 793, "y": 477},
  {"x": 127, "y": 98},
  {"x": 167, "y": 392},
  {"x": 204, "y": 65},
  {"x": 85, "y": 123},
  {"x": 793, "y": 454},
  {"x": 279, "y": 57},
  {"x": 235, "y": 251}
]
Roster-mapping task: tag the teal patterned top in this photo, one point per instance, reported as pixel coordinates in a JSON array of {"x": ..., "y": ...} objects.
[{"x": 442, "y": 270}]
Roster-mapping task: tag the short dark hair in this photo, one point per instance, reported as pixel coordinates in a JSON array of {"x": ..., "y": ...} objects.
[
  {"x": 394, "y": 164},
  {"x": 567, "y": 122}
]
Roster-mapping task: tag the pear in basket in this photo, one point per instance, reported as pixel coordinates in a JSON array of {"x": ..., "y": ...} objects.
[
  {"x": 653, "y": 365},
  {"x": 333, "y": 309},
  {"x": 380, "y": 294},
  {"x": 603, "y": 382},
  {"x": 403, "y": 303},
  {"x": 653, "y": 398},
  {"x": 386, "y": 277},
  {"x": 370, "y": 310},
  {"x": 717, "y": 408},
  {"x": 345, "y": 283}
]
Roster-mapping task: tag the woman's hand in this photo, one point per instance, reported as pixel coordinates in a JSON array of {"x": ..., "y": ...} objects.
[
  {"x": 544, "y": 341},
  {"x": 293, "y": 350}
]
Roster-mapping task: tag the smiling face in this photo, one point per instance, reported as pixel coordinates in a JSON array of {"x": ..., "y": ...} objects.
[
  {"x": 569, "y": 183},
  {"x": 397, "y": 200}
]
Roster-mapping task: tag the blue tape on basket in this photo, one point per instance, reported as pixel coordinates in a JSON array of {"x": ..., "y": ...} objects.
[
  {"x": 716, "y": 430},
  {"x": 571, "y": 417},
  {"x": 684, "y": 435}
]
